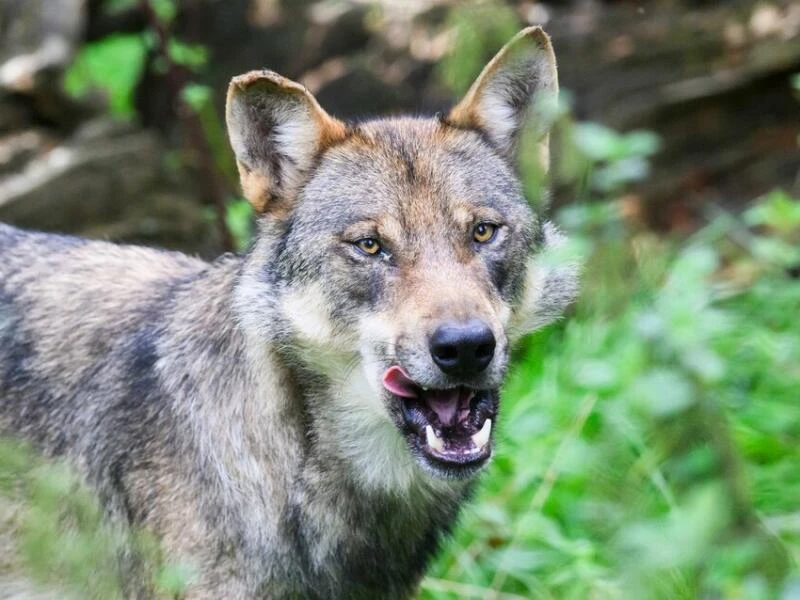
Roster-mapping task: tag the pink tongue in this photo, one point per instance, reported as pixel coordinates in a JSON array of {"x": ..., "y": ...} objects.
[
  {"x": 399, "y": 383},
  {"x": 444, "y": 403}
]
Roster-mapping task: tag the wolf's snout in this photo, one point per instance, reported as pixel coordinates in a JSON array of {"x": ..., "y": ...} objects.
[{"x": 462, "y": 349}]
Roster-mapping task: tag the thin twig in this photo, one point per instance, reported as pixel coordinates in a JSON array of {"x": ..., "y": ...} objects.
[{"x": 544, "y": 489}]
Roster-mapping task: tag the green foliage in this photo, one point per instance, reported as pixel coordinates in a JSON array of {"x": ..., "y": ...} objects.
[
  {"x": 649, "y": 444},
  {"x": 200, "y": 100},
  {"x": 54, "y": 532},
  {"x": 777, "y": 211},
  {"x": 618, "y": 158},
  {"x": 479, "y": 30},
  {"x": 239, "y": 219},
  {"x": 165, "y": 10},
  {"x": 777, "y": 216},
  {"x": 112, "y": 65},
  {"x": 116, "y": 6},
  {"x": 191, "y": 56},
  {"x": 648, "y": 439}
]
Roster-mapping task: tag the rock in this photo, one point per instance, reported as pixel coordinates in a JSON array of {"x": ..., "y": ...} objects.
[
  {"x": 64, "y": 169},
  {"x": 39, "y": 39},
  {"x": 106, "y": 180},
  {"x": 712, "y": 81}
]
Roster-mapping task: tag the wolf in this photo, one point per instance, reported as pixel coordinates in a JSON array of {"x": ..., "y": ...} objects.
[{"x": 304, "y": 420}]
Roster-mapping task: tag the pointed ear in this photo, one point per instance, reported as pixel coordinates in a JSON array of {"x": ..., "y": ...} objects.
[
  {"x": 276, "y": 129},
  {"x": 520, "y": 81}
]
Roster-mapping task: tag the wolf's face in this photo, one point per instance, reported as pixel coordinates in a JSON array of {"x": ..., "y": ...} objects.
[
  {"x": 415, "y": 236},
  {"x": 404, "y": 248}
]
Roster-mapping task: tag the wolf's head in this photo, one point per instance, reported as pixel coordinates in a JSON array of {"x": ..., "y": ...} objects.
[{"x": 401, "y": 250}]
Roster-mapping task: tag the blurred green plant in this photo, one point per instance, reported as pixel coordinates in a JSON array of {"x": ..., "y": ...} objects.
[
  {"x": 239, "y": 220},
  {"x": 777, "y": 216},
  {"x": 115, "y": 65},
  {"x": 647, "y": 443},
  {"x": 112, "y": 65},
  {"x": 478, "y": 30},
  {"x": 614, "y": 159},
  {"x": 238, "y": 213},
  {"x": 55, "y": 536}
]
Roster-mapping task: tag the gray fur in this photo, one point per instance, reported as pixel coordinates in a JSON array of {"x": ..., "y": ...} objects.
[{"x": 235, "y": 407}]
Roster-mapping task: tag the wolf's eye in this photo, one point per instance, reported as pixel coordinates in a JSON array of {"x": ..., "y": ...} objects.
[
  {"x": 484, "y": 232},
  {"x": 369, "y": 246}
]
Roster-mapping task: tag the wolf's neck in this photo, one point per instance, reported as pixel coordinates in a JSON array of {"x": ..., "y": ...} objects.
[
  {"x": 360, "y": 498},
  {"x": 310, "y": 453}
]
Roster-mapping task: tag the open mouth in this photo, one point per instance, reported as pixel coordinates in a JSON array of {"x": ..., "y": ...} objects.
[{"x": 451, "y": 427}]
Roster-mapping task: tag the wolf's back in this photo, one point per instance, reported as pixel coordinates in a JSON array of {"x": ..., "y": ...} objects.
[{"x": 79, "y": 321}]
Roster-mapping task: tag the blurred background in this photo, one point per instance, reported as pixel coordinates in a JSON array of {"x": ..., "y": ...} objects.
[{"x": 650, "y": 446}]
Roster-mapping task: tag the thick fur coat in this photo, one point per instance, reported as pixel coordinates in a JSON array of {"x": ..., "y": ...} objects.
[{"x": 283, "y": 420}]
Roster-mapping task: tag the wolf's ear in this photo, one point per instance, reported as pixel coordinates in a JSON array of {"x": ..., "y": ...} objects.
[
  {"x": 276, "y": 128},
  {"x": 520, "y": 81}
]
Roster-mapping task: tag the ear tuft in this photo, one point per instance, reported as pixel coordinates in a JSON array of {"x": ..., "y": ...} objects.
[
  {"x": 517, "y": 83},
  {"x": 276, "y": 129}
]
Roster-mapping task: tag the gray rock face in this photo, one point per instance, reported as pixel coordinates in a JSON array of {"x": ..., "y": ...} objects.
[
  {"x": 62, "y": 167},
  {"x": 39, "y": 37},
  {"x": 105, "y": 180}
]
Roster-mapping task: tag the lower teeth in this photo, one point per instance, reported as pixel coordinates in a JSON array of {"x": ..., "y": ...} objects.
[{"x": 480, "y": 439}]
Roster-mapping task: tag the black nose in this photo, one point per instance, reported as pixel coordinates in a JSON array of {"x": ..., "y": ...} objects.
[{"x": 462, "y": 349}]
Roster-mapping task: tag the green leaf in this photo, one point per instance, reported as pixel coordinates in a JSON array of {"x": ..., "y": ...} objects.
[
  {"x": 641, "y": 143},
  {"x": 619, "y": 173},
  {"x": 597, "y": 142},
  {"x": 596, "y": 375},
  {"x": 663, "y": 392},
  {"x": 239, "y": 220},
  {"x": 197, "y": 96},
  {"x": 775, "y": 251},
  {"x": 777, "y": 210},
  {"x": 165, "y": 10},
  {"x": 192, "y": 56},
  {"x": 705, "y": 363},
  {"x": 113, "y": 65}
]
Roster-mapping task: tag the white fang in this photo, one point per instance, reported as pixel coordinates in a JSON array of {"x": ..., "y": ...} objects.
[
  {"x": 433, "y": 441},
  {"x": 481, "y": 438}
]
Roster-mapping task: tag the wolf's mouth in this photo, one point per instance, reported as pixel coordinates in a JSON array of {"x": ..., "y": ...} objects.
[{"x": 451, "y": 427}]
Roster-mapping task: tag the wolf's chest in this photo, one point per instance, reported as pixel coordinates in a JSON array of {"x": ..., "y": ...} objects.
[{"x": 354, "y": 546}]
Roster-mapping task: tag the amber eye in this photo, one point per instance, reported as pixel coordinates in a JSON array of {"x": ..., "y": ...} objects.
[
  {"x": 484, "y": 232},
  {"x": 369, "y": 246}
]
